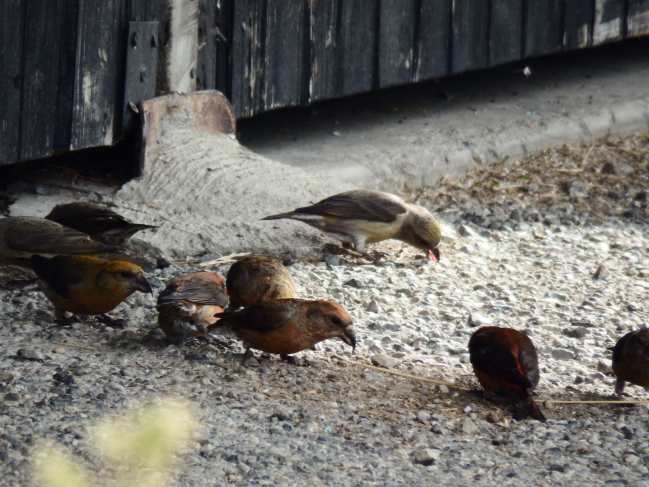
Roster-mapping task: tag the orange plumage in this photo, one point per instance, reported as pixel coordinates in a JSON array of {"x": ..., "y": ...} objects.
[
  {"x": 505, "y": 361},
  {"x": 87, "y": 285},
  {"x": 256, "y": 279},
  {"x": 188, "y": 304},
  {"x": 287, "y": 326}
]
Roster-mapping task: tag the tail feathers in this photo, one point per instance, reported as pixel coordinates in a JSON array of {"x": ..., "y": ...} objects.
[
  {"x": 218, "y": 322},
  {"x": 525, "y": 406},
  {"x": 136, "y": 259},
  {"x": 280, "y": 216}
]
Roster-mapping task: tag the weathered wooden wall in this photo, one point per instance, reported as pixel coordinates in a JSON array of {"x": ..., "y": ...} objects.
[
  {"x": 62, "y": 62},
  {"x": 62, "y": 66},
  {"x": 299, "y": 51}
]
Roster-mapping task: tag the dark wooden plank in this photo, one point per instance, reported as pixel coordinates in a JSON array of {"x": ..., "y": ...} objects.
[
  {"x": 505, "y": 31},
  {"x": 283, "y": 60},
  {"x": 65, "y": 88},
  {"x": 43, "y": 23},
  {"x": 248, "y": 49},
  {"x": 397, "y": 23},
  {"x": 543, "y": 27},
  {"x": 222, "y": 22},
  {"x": 609, "y": 22},
  {"x": 207, "y": 45},
  {"x": 11, "y": 57},
  {"x": 638, "y": 18},
  {"x": 470, "y": 35},
  {"x": 324, "y": 25},
  {"x": 94, "y": 108},
  {"x": 578, "y": 30},
  {"x": 355, "y": 45},
  {"x": 433, "y": 39}
]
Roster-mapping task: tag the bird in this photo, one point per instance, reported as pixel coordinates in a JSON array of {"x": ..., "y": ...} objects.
[
  {"x": 100, "y": 223},
  {"x": 631, "y": 360},
  {"x": 186, "y": 307},
  {"x": 287, "y": 326},
  {"x": 364, "y": 216},
  {"x": 505, "y": 361},
  {"x": 87, "y": 285},
  {"x": 24, "y": 236},
  {"x": 256, "y": 279}
]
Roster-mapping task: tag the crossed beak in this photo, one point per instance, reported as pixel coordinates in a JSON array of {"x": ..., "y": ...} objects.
[
  {"x": 141, "y": 284},
  {"x": 433, "y": 255},
  {"x": 349, "y": 337}
]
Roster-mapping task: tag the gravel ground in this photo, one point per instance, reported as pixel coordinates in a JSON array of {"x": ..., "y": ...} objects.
[{"x": 509, "y": 258}]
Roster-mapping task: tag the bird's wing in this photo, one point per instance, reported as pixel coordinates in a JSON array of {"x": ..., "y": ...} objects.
[
  {"x": 42, "y": 236},
  {"x": 88, "y": 214},
  {"x": 199, "y": 293},
  {"x": 499, "y": 363},
  {"x": 260, "y": 317},
  {"x": 359, "y": 205},
  {"x": 56, "y": 273}
]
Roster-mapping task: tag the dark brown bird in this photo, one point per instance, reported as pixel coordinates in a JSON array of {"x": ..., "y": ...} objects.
[
  {"x": 87, "y": 285},
  {"x": 505, "y": 361},
  {"x": 188, "y": 304},
  {"x": 256, "y": 279},
  {"x": 100, "y": 223},
  {"x": 363, "y": 216},
  {"x": 24, "y": 236},
  {"x": 631, "y": 360},
  {"x": 287, "y": 326}
]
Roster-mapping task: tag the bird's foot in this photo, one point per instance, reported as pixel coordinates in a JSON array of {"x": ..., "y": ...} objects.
[
  {"x": 112, "y": 322},
  {"x": 374, "y": 255},
  {"x": 292, "y": 360}
]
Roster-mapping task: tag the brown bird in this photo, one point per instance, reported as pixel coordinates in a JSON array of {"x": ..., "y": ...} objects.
[
  {"x": 363, "y": 216},
  {"x": 24, "y": 236},
  {"x": 256, "y": 279},
  {"x": 188, "y": 304},
  {"x": 505, "y": 361},
  {"x": 87, "y": 285},
  {"x": 631, "y": 360},
  {"x": 100, "y": 223},
  {"x": 287, "y": 326}
]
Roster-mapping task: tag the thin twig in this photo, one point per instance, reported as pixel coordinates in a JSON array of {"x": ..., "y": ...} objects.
[
  {"x": 84, "y": 347},
  {"x": 409, "y": 376},
  {"x": 552, "y": 401}
]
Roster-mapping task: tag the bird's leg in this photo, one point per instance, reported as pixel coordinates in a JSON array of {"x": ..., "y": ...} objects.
[{"x": 112, "y": 322}]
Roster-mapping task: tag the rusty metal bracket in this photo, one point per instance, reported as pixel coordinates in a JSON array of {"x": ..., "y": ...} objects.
[{"x": 141, "y": 66}]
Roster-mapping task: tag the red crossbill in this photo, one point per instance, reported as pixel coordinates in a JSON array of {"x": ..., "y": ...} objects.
[
  {"x": 631, "y": 359},
  {"x": 256, "y": 279},
  {"x": 100, "y": 223},
  {"x": 188, "y": 304},
  {"x": 287, "y": 326},
  {"x": 504, "y": 360},
  {"x": 363, "y": 216},
  {"x": 24, "y": 236},
  {"x": 87, "y": 285}
]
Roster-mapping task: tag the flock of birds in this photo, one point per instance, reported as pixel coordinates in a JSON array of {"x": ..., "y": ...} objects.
[{"x": 82, "y": 266}]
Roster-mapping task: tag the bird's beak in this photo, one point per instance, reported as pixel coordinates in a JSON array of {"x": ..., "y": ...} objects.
[
  {"x": 433, "y": 255},
  {"x": 141, "y": 284},
  {"x": 349, "y": 337}
]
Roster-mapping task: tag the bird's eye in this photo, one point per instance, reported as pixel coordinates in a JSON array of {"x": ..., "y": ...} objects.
[
  {"x": 336, "y": 321},
  {"x": 126, "y": 274}
]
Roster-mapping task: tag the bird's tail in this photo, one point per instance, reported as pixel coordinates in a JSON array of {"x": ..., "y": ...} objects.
[
  {"x": 280, "y": 216},
  {"x": 525, "y": 406},
  {"x": 218, "y": 322},
  {"x": 128, "y": 256}
]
